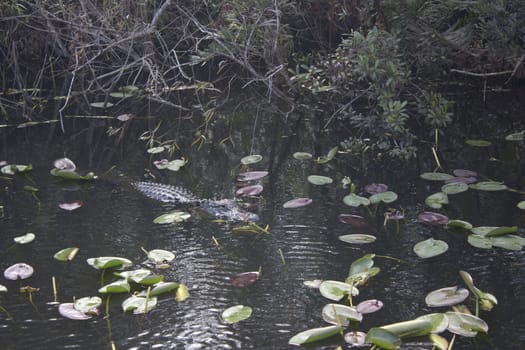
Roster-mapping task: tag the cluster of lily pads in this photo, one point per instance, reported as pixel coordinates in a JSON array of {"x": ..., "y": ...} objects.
[{"x": 344, "y": 319}]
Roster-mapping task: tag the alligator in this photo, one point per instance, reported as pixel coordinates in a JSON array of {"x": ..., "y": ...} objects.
[{"x": 226, "y": 209}]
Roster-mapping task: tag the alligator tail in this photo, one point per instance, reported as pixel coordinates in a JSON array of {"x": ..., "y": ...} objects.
[{"x": 165, "y": 193}]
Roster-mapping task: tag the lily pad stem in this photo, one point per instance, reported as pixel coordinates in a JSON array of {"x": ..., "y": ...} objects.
[{"x": 6, "y": 313}]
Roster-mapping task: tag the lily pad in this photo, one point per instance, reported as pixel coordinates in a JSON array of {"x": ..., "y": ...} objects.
[
  {"x": 374, "y": 188},
  {"x": 465, "y": 180},
  {"x": 297, "y": 203},
  {"x": 353, "y": 220},
  {"x": 478, "y": 143},
  {"x": 458, "y": 224},
  {"x": 244, "y": 279},
  {"x": 340, "y": 315},
  {"x": 319, "y": 180},
  {"x": 431, "y": 218},
  {"x": 171, "y": 217},
  {"x": 70, "y": 206},
  {"x": 336, "y": 290},
  {"x": 139, "y": 305},
  {"x": 383, "y": 338},
  {"x": 314, "y": 284},
  {"x": 430, "y": 247},
  {"x": 507, "y": 242},
  {"x": 521, "y": 205},
  {"x": 369, "y": 306},
  {"x": 411, "y": 328},
  {"x": 134, "y": 275},
  {"x": 447, "y": 296},
  {"x": 251, "y": 159},
  {"x": 454, "y": 188},
  {"x": 119, "y": 286},
  {"x": 489, "y": 186},
  {"x": 436, "y": 200},
  {"x": 354, "y": 200},
  {"x": 87, "y": 304},
  {"x": 71, "y": 175},
  {"x": 18, "y": 271},
  {"x": 315, "y": 334},
  {"x": 252, "y": 190},
  {"x": 251, "y": 175},
  {"x": 465, "y": 324},
  {"x": 331, "y": 154},
  {"x": 479, "y": 241},
  {"x": 302, "y": 155},
  {"x": 68, "y": 311},
  {"x": 503, "y": 230},
  {"x": 24, "y": 239},
  {"x": 357, "y": 238},
  {"x": 236, "y": 314},
  {"x": 64, "y": 164},
  {"x": 159, "y": 256},
  {"x": 160, "y": 288},
  {"x": 517, "y": 136},
  {"x": 106, "y": 262},
  {"x": 66, "y": 254},
  {"x": 3, "y": 289},
  {"x": 182, "y": 293},
  {"x": 435, "y": 176},
  {"x": 101, "y": 104},
  {"x": 385, "y": 197},
  {"x": 464, "y": 173},
  {"x": 483, "y": 230},
  {"x": 12, "y": 169},
  {"x": 438, "y": 321}
]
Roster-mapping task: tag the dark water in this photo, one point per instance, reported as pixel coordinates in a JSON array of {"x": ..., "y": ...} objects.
[{"x": 116, "y": 221}]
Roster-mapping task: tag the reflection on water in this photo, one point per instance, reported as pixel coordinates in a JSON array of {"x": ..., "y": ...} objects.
[{"x": 303, "y": 245}]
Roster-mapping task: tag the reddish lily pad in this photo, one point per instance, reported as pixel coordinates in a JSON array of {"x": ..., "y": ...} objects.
[
  {"x": 369, "y": 306},
  {"x": 71, "y": 205},
  {"x": 252, "y": 175},
  {"x": 431, "y": 218},
  {"x": 249, "y": 190},
  {"x": 374, "y": 188},
  {"x": 464, "y": 173},
  {"x": 244, "y": 279},
  {"x": 64, "y": 164},
  {"x": 297, "y": 203},
  {"x": 68, "y": 311},
  {"x": 353, "y": 220},
  {"x": 18, "y": 271},
  {"x": 466, "y": 180}
]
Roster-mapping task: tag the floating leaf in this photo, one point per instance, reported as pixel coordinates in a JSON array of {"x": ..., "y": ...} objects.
[
  {"x": 68, "y": 311},
  {"x": 434, "y": 176},
  {"x": 101, "y": 104},
  {"x": 489, "y": 186},
  {"x": 251, "y": 159},
  {"x": 64, "y": 164},
  {"x": 354, "y": 200},
  {"x": 458, "y": 224},
  {"x": 27, "y": 238},
  {"x": 478, "y": 143},
  {"x": 106, "y": 262},
  {"x": 18, "y": 271},
  {"x": 383, "y": 338},
  {"x": 325, "y": 159},
  {"x": 507, "y": 242},
  {"x": 155, "y": 150},
  {"x": 430, "y": 247},
  {"x": 182, "y": 293},
  {"x": 66, "y": 254},
  {"x": 315, "y": 334},
  {"x": 447, "y": 296},
  {"x": 236, "y": 313},
  {"x": 252, "y": 190},
  {"x": 438, "y": 321},
  {"x": 517, "y": 136},
  {"x": 464, "y": 173},
  {"x": 355, "y": 338},
  {"x": 439, "y": 342},
  {"x": 302, "y": 155},
  {"x": 297, "y": 203},
  {"x": 385, "y": 197},
  {"x": 465, "y": 180},
  {"x": 159, "y": 256},
  {"x": 521, "y": 205},
  {"x": 134, "y": 275},
  {"x": 431, "y": 218},
  {"x": 120, "y": 286},
  {"x": 436, "y": 200},
  {"x": 336, "y": 290},
  {"x": 176, "y": 164},
  {"x": 3, "y": 289},
  {"x": 124, "y": 117},
  {"x": 454, "y": 188},
  {"x": 12, "y": 169},
  {"x": 411, "y": 328},
  {"x": 486, "y": 300},
  {"x": 171, "y": 217},
  {"x": 499, "y": 231},
  {"x": 479, "y": 241},
  {"x": 71, "y": 205},
  {"x": 340, "y": 315},
  {"x": 483, "y": 230},
  {"x": 361, "y": 265},
  {"x": 87, "y": 304},
  {"x": 151, "y": 280},
  {"x": 374, "y": 188},
  {"x": 244, "y": 279},
  {"x": 369, "y": 306},
  {"x": 251, "y": 175},
  {"x": 139, "y": 305},
  {"x": 160, "y": 288},
  {"x": 313, "y": 283},
  {"x": 71, "y": 175},
  {"x": 319, "y": 180},
  {"x": 353, "y": 220},
  {"x": 357, "y": 238},
  {"x": 465, "y": 324}
]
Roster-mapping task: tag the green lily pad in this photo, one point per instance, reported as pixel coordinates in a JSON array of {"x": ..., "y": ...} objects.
[
  {"x": 517, "y": 136},
  {"x": 171, "y": 217},
  {"x": 155, "y": 150},
  {"x": 447, "y": 296},
  {"x": 71, "y": 175},
  {"x": 430, "y": 247},
  {"x": 134, "y": 275},
  {"x": 465, "y": 324},
  {"x": 521, "y": 205},
  {"x": 383, "y": 338},
  {"x": 503, "y": 230},
  {"x": 483, "y": 230},
  {"x": 315, "y": 334},
  {"x": 340, "y": 315},
  {"x": 236, "y": 314},
  {"x": 354, "y": 200},
  {"x": 24, "y": 239},
  {"x": 106, "y": 262},
  {"x": 436, "y": 200},
  {"x": 87, "y": 304},
  {"x": 458, "y": 224},
  {"x": 159, "y": 256},
  {"x": 435, "y": 176},
  {"x": 363, "y": 264},
  {"x": 12, "y": 169},
  {"x": 478, "y": 143},
  {"x": 139, "y": 305},
  {"x": 336, "y": 290},
  {"x": 357, "y": 238},
  {"x": 302, "y": 155},
  {"x": 489, "y": 186},
  {"x": 507, "y": 242},
  {"x": 331, "y": 154},
  {"x": 454, "y": 188},
  {"x": 411, "y": 328},
  {"x": 120, "y": 286},
  {"x": 319, "y": 180},
  {"x": 385, "y": 197},
  {"x": 66, "y": 254},
  {"x": 182, "y": 293},
  {"x": 3, "y": 289},
  {"x": 251, "y": 159},
  {"x": 479, "y": 241},
  {"x": 160, "y": 288},
  {"x": 438, "y": 321}
]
